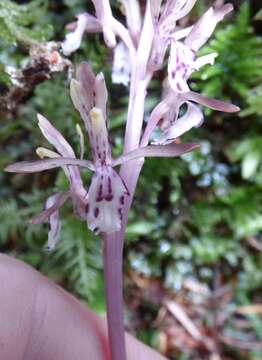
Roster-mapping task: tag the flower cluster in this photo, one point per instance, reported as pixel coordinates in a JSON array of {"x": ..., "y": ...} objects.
[
  {"x": 138, "y": 54},
  {"x": 102, "y": 205}
]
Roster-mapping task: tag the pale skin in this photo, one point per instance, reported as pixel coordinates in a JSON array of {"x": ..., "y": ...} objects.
[{"x": 41, "y": 321}]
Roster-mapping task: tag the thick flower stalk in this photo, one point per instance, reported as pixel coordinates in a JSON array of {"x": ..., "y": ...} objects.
[{"x": 140, "y": 48}]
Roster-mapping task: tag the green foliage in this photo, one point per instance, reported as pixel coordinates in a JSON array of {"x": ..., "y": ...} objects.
[
  {"x": 249, "y": 152},
  {"x": 16, "y": 22},
  {"x": 254, "y": 100}
]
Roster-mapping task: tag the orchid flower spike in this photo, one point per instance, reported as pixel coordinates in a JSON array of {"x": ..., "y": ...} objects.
[
  {"x": 102, "y": 205},
  {"x": 182, "y": 63},
  {"x": 183, "y": 60},
  {"x": 164, "y": 19}
]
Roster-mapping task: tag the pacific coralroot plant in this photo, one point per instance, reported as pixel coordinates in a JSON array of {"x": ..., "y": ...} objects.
[{"x": 140, "y": 48}]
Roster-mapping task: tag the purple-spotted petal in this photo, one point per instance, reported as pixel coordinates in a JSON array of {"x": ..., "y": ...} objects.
[
  {"x": 211, "y": 103},
  {"x": 54, "y": 222},
  {"x": 121, "y": 65},
  {"x": 181, "y": 64},
  {"x": 106, "y": 199},
  {"x": 156, "y": 151},
  {"x": 205, "y": 26},
  {"x": 46, "y": 164},
  {"x": 192, "y": 118},
  {"x": 73, "y": 40}
]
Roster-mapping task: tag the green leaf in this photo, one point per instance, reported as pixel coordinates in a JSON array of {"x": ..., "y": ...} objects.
[{"x": 250, "y": 164}]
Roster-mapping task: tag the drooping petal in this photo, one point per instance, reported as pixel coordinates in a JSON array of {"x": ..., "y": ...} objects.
[
  {"x": 47, "y": 164},
  {"x": 121, "y": 65},
  {"x": 54, "y": 222},
  {"x": 73, "y": 40},
  {"x": 106, "y": 199},
  {"x": 205, "y": 26},
  {"x": 155, "y": 151},
  {"x": 211, "y": 103},
  {"x": 181, "y": 64},
  {"x": 192, "y": 118}
]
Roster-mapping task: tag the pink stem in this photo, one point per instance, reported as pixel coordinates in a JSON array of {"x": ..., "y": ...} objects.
[
  {"x": 113, "y": 244},
  {"x": 112, "y": 254},
  {"x": 113, "y": 262}
]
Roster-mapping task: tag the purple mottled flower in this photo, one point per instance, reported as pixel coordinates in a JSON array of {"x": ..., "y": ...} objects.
[
  {"x": 102, "y": 205},
  {"x": 165, "y": 19},
  {"x": 183, "y": 60}
]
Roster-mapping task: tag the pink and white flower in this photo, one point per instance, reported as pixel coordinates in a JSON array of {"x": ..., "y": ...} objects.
[{"x": 102, "y": 205}]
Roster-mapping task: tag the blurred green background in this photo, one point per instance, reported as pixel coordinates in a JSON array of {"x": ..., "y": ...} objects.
[{"x": 194, "y": 237}]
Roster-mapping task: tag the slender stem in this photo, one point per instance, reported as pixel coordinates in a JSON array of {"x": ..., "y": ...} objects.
[
  {"x": 112, "y": 254},
  {"x": 113, "y": 243},
  {"x": 113, "y": 262}
]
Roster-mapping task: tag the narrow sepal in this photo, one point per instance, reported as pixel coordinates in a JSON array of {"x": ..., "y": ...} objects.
[
  {"x": 54, "y": 137},
  {"x": 46, "y": 164},
  {"x": 172, "y": 150},
  {"x": 44, "y": 215},
  {"x": 211, "y": 103}
]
